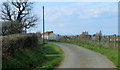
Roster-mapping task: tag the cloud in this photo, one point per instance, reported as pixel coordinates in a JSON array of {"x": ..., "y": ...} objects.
[
  {"x": 54, "y": 13},
  {"x": 98, "y": 12},
  {"x": 60, "y": 25},
  {"x": 83, "y": 11},
  {"x": 67, "y": 17}
]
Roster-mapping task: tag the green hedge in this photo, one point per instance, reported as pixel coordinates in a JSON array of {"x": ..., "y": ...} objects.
[{"x": 18, "y": 41}]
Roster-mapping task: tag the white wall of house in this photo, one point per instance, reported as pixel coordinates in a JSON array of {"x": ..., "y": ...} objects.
[
  {"x": 52, "y": 36},
  {"x": 45, "y": 36},
  {"x": 93, "y": 38}
]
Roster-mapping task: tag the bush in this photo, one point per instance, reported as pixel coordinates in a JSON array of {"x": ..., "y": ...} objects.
[
  {"x": 11, "y": 27},
  {"x": 18, "y": 41}
]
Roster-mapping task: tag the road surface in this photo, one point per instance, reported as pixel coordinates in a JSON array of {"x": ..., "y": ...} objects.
[{"x": 79, "y": 57}]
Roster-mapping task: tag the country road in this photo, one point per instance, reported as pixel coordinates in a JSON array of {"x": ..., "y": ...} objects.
[{"x": 79, "y": 57}]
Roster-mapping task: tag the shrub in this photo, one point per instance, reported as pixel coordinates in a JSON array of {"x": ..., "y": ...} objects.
[
  {"x": 11, "y": 43},
  {"x": 11, "y": 27}
]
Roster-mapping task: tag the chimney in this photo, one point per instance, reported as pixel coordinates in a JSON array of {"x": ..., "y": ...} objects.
[{"x": 51, "y": 31}]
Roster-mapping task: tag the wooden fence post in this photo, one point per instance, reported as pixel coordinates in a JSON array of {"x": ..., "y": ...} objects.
[
  {"x": 108, "y": 41},
  {"x": 99, "y": 39},
  {"x": 95, "y": 40},
  {"x": 114, "y": 41}
]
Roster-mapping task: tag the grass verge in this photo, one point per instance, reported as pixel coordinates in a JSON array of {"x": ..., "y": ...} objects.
[
  {"x": 53, "y": 54},
  {"x": 34, "y": 58},
  {"x": 110, "y": 53}
]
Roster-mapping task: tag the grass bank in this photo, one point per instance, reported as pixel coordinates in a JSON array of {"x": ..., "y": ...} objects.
[
  {"x": 53, "y": 56},
  {"x": 110, "y": 53},
  {"x": 44, "y": 56}
]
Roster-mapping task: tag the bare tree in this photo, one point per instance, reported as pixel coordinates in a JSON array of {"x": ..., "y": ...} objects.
[{"x": 18, "y": 10}]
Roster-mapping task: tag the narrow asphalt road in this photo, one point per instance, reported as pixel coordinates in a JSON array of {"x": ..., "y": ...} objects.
[{"x": 79, "y": 57}]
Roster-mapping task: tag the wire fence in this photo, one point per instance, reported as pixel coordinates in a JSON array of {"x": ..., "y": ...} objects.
[{"x": 105, "y": 41}]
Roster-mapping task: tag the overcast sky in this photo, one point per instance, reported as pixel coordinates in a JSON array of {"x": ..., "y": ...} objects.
[{"x": 72, "y": 18}]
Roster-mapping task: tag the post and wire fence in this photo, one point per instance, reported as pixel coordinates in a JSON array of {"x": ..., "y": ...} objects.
[{"x": 110, "y": 41}]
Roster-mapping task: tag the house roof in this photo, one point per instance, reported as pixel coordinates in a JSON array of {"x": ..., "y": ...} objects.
[{"x": 47, "y": 33}]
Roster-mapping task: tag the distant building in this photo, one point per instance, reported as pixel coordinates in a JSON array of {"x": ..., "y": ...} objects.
[
  {"x": 93, "y": 38},
  {"x": 84, "y": 35},
  {"x": 49, "y": 35}
]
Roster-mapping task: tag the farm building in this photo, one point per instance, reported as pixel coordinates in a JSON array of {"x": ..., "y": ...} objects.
[{"x": 50, "y": 35}]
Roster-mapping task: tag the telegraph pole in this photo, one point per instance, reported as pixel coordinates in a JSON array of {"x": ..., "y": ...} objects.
[{"x": 43, "y": 26}]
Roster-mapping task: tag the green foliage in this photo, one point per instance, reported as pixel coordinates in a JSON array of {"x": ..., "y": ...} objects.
[
  {"x": 11, "y": 27},
  {"x": 35, "y": 58},
  {"x": 52, "y": 61},
  {"x": 24, "y": 59},
  {"x": 15, "y": 27},
  {"x": 53, "y": 49},
  {"x": 13, "y": 42},
  {"x": 53, "y": 56}
]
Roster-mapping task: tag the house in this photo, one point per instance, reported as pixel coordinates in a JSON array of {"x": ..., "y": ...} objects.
[
  {"x": 49, "y": 35},
  {"x": 93, "y": 38}
]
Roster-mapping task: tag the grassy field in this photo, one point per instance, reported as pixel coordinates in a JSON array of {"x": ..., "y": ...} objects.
[
  {"x": 43, "y": 57},
  {"x": 111, "y": 54}
]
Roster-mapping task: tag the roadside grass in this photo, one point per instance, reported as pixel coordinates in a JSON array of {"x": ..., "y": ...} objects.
[
  {"x": 52, "y": 49},
  {"x": 54, "y": 55},
  {"x": 110, "y": 53},
  {"x": 25, "y": 58},
  {"x": 34, "y": 58}
]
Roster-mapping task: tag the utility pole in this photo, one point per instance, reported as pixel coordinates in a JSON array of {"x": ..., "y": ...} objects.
[{"x": 43, "y": 26}]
